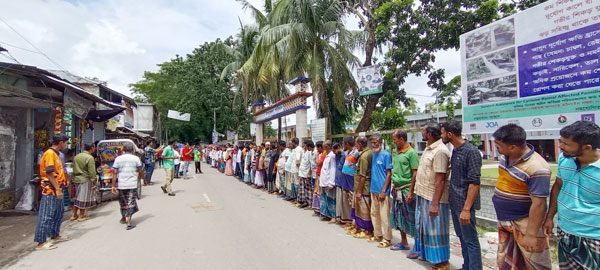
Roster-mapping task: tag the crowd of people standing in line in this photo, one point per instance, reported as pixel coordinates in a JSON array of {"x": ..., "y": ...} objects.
[{"x": 371, "y": 191}]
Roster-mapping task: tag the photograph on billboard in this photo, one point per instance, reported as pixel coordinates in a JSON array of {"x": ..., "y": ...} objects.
[{"x": 539, "y": 68}]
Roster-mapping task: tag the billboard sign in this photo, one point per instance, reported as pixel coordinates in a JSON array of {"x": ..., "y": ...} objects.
[
  {"x": 539, "y": 68},
  {"x": 318, "y": 129},
  {"x": 369, "y": 80}
]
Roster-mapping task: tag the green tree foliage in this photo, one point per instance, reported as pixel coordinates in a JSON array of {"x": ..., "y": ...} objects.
[
  {"x": 192, "y": 84},
  {"x": 416, "y": 30}
]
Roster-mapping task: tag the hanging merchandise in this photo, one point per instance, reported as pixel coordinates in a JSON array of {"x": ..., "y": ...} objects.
[
  {"x": 68, "y": 122},
  {"x": 41, "y": 138},
  {"x": 58, "y": 120}
]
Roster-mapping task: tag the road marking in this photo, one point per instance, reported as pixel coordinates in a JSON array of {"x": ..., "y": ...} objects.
[{"x": 206, "y": 197}]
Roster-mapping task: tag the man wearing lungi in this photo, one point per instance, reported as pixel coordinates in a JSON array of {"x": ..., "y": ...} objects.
[
  {"x": 433, "y": 213},
  {"x": 53, "y": 182},
  {"x": 381, "y": 177},
  {"x": 362, "y": 190},
  {"x": 343, "y": 188},
  {"x": 520, "y": 201},
  {"x": 575, "y": 195},
  {"x": 84, "y": 178},
  {"x": 128, "y": 170}
]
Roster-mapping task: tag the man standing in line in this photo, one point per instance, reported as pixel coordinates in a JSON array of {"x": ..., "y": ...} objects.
[
  {"x": 520, "y": 201},
  {"x": 297, "y": 158},
  {"x": 305, "y": 190},
  {"x": 405, "y": 162},
  {"x": 348, "y": 171},
  {"x": 342, "y": 188},
  {"x": 272, "y": 170},
  {"x": 578, "y": 176},
  {"x": 362, "y": 189},
  {"x": 327, "y": 183},
  {"x": 285, "y": 153},
  {"x": 433, "y": 213},
  {"x": 463, "y": 193},
  {"x": 381, "y": 177},
  {"x": 168, "y": 155},
  {"x": 319, "y": 159},
  {"x": 84, "y": 178},
  {"x": 128, "y": 169},
  {"x": 53, "y": 182},
  {"x": 150, "y": 160},
  {"x": 186, "y": 157}
]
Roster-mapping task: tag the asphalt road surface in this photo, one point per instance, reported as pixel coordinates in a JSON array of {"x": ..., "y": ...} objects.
[{"x": 214, "y": 222}]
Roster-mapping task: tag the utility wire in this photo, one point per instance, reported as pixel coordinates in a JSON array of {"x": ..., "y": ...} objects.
[
  {"x": 40, "y": 51},
  {"x": 20, "y": 48}
]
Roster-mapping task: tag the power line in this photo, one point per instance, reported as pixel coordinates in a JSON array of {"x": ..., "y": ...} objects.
[
  {"x": 20, "y": 48},
  {"x": 31, "y": 44}
]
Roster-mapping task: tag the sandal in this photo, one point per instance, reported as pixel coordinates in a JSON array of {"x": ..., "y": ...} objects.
[
  {"x": 413, "y": 255},
  {"x": 73, "y": 218},
  {"x": 46, "y": 246},
  {"x": 399, "y": 247},
  {"x": 83, "y": 218},
  {"x": 130, "y": 226},
  {"x": 60, "y": 239}
]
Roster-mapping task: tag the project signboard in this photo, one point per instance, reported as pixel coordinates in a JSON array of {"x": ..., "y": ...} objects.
[
  {"x": 369, "y": 80},
  {"x": 539, "y": 68}
]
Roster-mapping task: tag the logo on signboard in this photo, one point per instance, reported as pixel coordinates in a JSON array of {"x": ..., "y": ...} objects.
[
  {"x": 590, "y": 117},
  {"x": 491, "y": 125},
  {"x": 537, "y": 122},
  {"x": 473, "y": 126},
  {"x": 562, "y": 119},
  {"x": 516, "y": 122}
]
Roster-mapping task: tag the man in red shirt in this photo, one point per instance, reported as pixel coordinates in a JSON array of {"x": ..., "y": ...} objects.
[{"x": 186, "y": 156}]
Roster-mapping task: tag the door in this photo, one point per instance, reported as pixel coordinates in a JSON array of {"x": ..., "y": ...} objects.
[{"x": 7, "y": 156}]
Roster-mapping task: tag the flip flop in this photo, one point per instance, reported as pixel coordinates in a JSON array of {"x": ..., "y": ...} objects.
[
  {"x": 130, "y": 226},
  {"x": 61, "y": 239},
  {"x": 46, "y": 246},
  {"x": 84, "y": 218},
  {"x": 413, "y": 255},
  {"x": 73, "y": 218},
  {"x": 399, "y": 247}
]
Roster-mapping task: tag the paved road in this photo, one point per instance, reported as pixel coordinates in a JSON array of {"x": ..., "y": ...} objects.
[{"x": 214, "y": 222}]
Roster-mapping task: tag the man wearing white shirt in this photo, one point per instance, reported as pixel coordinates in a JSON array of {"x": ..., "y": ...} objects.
[
  {"x": 327, "y": 182},
  {"x": 296, "y": 159},
  {"x": 305, "y": 190},
  {"x": 285, "y": 153}
]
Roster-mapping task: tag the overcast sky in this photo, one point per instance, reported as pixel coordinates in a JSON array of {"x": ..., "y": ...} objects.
[{"x": 117, "y": 41}]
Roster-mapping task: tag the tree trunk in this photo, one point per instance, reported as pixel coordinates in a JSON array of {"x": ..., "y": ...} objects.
[{"x": 367, "y": 119}]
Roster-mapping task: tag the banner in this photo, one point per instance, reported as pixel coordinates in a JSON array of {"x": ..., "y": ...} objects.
[
  {"x": 252, "y": 129},
  {"x": 538, "y": 68},
  {"x": 178, "y": 115},
  {"x": 318, "y": 129},
  {"x": 369, "y": 80}
]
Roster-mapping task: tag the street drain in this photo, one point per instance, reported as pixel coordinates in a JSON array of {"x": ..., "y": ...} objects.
[{"x": 203, "y": 207}]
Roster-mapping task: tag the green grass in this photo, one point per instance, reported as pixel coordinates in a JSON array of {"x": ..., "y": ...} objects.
[
  {"x": 482, "y": 230},
  {"x": 492, "y": 173}
]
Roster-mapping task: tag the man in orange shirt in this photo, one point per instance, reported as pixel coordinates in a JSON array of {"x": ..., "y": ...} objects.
[{"x": 52, "y": 206}]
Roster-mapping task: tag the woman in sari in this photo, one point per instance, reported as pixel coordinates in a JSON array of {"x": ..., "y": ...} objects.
[{"x": 229, "y": 162}]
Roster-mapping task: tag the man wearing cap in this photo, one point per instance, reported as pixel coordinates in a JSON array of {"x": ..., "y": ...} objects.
[{"x": 53, "y": 182}]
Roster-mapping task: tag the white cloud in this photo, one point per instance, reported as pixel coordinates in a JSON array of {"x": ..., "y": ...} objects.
[{"x": 105, "y": 38}]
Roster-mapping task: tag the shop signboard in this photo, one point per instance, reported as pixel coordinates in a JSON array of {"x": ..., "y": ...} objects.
[{"x": 539, "y": 68}]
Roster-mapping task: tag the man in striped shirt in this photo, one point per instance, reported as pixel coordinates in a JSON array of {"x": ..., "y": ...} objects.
[
  {"x": 576, "y": 197},
  {"x": 520, "y": 202}
]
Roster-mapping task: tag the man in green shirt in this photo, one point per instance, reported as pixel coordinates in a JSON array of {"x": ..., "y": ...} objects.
[
  {"x": 168, "y": 156},
  {"x": 198, "y": 158},
  {"x": 406, "y": 162},
  {"x": 362, "y": 189},
  {"x": 84, "y": 178}
]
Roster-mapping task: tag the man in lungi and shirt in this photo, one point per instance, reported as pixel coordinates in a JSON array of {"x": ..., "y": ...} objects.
[
  {"x": 128, "y": 171},
  {"x": 576, "y": 197},
  {"x": 305, "y": 174},
  {"x": 520, "y": 202},
  {"x": 343, "y": 187},
  {"x": 402, "y": 215},
  {"x": 381, "y": 176},
  {"x": 53, "y": 182},
  {"x": 327, "y": 184},
  {"x": 84, "y": 178},
  {"x": 362, "y": 190},
  {"x": 433, "y": 213}
]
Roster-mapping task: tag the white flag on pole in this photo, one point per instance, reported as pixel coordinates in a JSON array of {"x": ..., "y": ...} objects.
[{"x": 178, "y": 115}]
